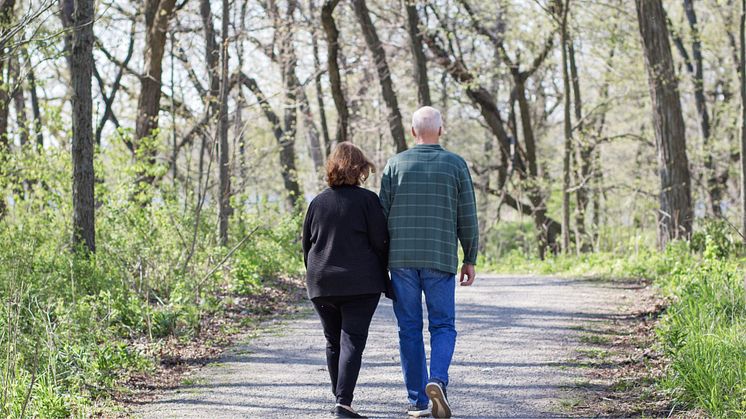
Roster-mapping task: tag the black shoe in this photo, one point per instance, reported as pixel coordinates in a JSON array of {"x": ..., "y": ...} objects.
[
  {"x": 418, "y": 411},
  {"x": 436, "y": 391},
  {"x": 341, "y": 412}
]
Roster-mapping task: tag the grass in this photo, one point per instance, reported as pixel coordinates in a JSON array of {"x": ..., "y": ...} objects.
[
  {"x": 594, "y": 339},
  {"x": 702, "y": 332}
]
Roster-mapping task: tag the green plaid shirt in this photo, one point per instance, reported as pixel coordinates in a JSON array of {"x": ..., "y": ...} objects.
[{"x": 428, "y": 198}]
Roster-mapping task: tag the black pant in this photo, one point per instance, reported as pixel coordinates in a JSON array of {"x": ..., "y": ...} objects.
[{"x": 346, "y": 321}]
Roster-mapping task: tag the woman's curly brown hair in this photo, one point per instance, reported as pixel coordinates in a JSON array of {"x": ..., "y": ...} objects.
[{"x": 347, "y": 165}]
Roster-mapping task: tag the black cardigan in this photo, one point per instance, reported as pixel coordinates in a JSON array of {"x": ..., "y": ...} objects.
[{"x": 346, "y": 244}]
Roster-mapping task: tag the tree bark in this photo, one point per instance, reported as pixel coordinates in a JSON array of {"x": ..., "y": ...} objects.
[
  {"x": 288, "y": 59},
  {"x": 81, "y": 71},
  {"x": 742, "y": 73},
  {"x": 158, "y": 14},
  {"x": 694, "y": 66},
  {"x": 567, "y": 125},
  {"x": 225, "y": 210},
  {"x": 384, "y": 74},
  {"x": 332, "y": 67},
  {"x": 35, "y": 107},
  {"x": 19, "y": 100},
  {"x": 675, "y": 216},
  {"x": 212, "y": 58},
  {"x": 6, "y": 19},
  {"x": 317, "y": 81},
  {"x": 420, "y": 62},
  {"x": 288, "y": 63}
]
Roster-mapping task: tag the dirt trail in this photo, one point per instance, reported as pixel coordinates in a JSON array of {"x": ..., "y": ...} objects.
[{"x": 517, "y": 338}]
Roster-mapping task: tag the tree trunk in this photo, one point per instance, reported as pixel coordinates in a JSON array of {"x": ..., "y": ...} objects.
[
  {"x": 212, "y": 58},
  {"x": 599, "y": 125},
  {"x": 567, "y": 131},
  {"x": 714, "y": 188},
  {"x": 420, "y": 62},
  {"x": 675, "y": 219},
  {"x": 35, "y": 107},
  {"x": 312, "y": 132},
  {"x": 546, "y": 236},
  {"x": 19, "y": 100},
  {"x": 287, "y": 151},
  {"x": 384, "y": 74},
  {"x": 584, "y": 156},
  {"x": 332, "y": 64},
  {"x": 288, "y": 63},
  {"x": 158, "y": 13},
  {"x": 317, "y": 81},
  {"x": 81, "y": 71},
  {"x": 694, "y": 67},
  {"x": 742, "y": 73},
  {"x": 225, "y": 209},
  {"x": 6, "y": 19}
]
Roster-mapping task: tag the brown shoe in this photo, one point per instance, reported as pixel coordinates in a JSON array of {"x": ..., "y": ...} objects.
[{"x": 437, "y": 394}]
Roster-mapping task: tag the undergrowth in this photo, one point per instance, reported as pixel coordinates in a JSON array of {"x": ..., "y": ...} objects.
[
  {"x": 702, "y": 332},
  {"x": 67, "y": 319}
]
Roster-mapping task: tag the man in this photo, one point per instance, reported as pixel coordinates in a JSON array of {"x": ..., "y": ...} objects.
[{"x": 428, "y": 198}]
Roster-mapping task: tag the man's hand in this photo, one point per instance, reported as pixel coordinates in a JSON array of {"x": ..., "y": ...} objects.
[{"x": 468, "y": 272}]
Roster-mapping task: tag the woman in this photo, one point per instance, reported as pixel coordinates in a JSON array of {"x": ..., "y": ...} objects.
[{"x": 345, "y": 246}]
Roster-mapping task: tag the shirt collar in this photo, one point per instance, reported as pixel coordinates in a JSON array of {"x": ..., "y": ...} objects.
[{"x": 429, "y": 146}]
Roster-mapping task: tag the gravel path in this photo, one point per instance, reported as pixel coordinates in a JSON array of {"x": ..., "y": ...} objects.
[{"x": 517, "y": 337}]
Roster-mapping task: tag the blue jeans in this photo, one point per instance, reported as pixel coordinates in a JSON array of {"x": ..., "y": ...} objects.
[{"x": 439, "y": 288}]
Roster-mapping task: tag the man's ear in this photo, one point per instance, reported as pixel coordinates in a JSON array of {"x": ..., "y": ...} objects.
[
  {"x": 440, "y": 131},
  {"x": 414, "y": 134}
]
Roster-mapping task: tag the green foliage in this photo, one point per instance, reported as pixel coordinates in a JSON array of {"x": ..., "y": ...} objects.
[
  {"x": 716, "y": 239},
  {"x": 703, "y": 331},
  {"x": 269, "y": 251},
  {"x": 67, "y": 321}
]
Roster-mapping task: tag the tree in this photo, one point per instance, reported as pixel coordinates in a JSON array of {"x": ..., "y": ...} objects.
[
  {"x": 675, "y": 215},
  {"x": 287, "y": 159},
  {"x": 224, "y": 195},
  {"x": 332, "y": 64},
  {"x": 6, "y": 20},
  {"x": 524, "y": 159},
  {"x": 158, "y": 14},
  {"x": 583, "y": 158},
  {"x": 420, "y": 62},
  {"x": 563, "y": 9},
  {"x": 384, "y": 73},
  {"x": 694, "y": 66},
  {"x": 742, "y": 74},
  {"x": 295, "y": 93},
  {"x": 317, "y": 79},
  {"x": 81, "y": 70}
]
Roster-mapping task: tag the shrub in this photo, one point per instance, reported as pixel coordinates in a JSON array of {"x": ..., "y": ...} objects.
[{"x": 67, "y": 319}]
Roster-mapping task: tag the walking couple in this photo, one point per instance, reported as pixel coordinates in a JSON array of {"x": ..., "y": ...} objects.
[{"x": 351, "y": 237}]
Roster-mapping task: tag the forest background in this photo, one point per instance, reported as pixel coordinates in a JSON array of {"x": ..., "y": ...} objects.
[{"x": 157, "y": 156}]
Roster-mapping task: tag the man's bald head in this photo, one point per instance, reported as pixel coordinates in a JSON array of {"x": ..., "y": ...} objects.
[{"x": 427, "y": 124}]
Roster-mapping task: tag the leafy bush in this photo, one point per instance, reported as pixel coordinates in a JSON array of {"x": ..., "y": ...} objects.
[{"x": 67, "y": 320}]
